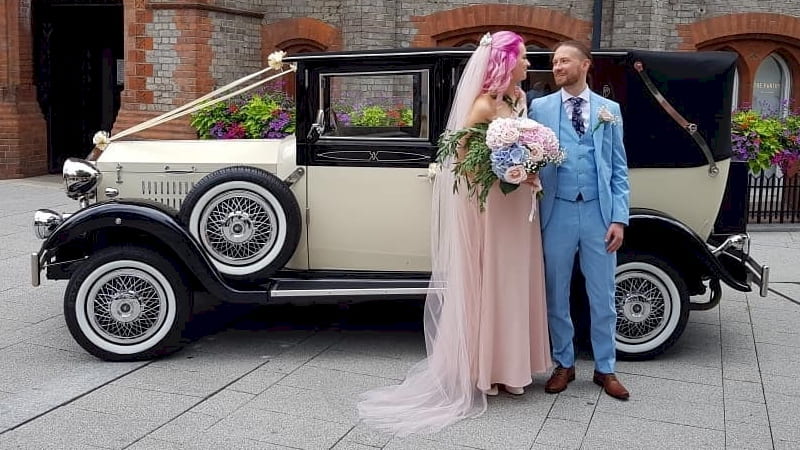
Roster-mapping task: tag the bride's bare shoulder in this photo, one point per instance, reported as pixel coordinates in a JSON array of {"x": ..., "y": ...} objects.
[{"x": 483, "y": 109}]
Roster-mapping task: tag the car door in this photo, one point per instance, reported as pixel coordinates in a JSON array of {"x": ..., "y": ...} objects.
[{"x": 368, "y": 185}]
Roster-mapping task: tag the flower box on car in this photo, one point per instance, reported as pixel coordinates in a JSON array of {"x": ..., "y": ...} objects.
[{"x": 341, "y": 209}]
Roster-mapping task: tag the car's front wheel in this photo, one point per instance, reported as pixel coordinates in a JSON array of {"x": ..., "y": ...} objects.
[
  {"x": 127, "y": 303},
  {"x": 652, "y": 303}
]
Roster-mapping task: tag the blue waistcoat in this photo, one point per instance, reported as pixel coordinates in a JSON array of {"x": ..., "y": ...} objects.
[{"x": 578, "y": 173}]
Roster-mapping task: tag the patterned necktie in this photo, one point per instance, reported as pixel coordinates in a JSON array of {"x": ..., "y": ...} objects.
[{"x": 577, "y": 115}]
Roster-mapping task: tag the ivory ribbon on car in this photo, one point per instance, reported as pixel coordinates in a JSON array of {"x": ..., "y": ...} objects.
[{"x": 102, "y": 139}]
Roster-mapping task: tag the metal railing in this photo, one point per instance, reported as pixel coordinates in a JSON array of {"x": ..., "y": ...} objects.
[{"x": 773, "y": 198}]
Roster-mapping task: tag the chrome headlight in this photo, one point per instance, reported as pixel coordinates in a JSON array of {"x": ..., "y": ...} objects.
[
  {"x": 80, "y": 178},
  {"x": 45, "y": 221}
]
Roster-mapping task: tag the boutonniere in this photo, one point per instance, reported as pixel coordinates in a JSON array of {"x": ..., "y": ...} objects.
[{"x": 604, "y": 116}]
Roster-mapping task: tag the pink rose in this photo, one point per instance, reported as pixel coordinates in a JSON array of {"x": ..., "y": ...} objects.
[
  {"x": 502, "y": 132},
  {"x": 515, "y": 175},
  {"x": 509, "y": 135},
  {"x": 537, "y": 152}
]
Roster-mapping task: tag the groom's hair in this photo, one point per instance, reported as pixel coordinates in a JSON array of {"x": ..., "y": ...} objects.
[{"x": 577, "y": 45}]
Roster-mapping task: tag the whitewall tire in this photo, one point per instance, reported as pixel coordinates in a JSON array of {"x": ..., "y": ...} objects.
[
  {"x": 652, "y": 303},
  {"x": 245, "y": 219},
  {"x": 127, "y": 303}
]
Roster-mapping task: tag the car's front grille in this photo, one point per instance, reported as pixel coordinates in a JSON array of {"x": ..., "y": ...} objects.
[{"x": 170, "y": 193}]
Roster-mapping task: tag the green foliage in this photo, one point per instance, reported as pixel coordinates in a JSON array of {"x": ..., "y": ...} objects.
[
  {"x": 475, "y": 167},
  {"x": 765, "y": 140},
  {"x": 267, "y": 114}
]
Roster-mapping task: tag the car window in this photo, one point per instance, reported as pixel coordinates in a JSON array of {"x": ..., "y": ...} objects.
[{"x": 378, "y": 105}]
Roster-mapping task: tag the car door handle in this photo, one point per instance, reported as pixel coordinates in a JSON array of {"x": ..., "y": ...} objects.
[{"x": 167, "y": 169}]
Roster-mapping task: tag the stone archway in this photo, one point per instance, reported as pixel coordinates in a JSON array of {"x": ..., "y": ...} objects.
[
  {"x": 754, "y": 36},
  {"x": 300, "y": 35},
  {"x": 538, "y": 26}
]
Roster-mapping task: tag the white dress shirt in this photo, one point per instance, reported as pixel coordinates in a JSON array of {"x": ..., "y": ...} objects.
[{"x": 565, "y": 96}]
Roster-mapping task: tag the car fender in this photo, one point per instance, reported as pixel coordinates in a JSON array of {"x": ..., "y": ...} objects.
[
  {"x": 148, "y": 218},
  {"x": 683, "y": 248}
]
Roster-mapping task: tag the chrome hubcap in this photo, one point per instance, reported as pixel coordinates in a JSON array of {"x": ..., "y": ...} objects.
[
  {"x": 238, "y": 227},
  {"x": 126, "y": 306},
  {"x": 643, "y": 306}
]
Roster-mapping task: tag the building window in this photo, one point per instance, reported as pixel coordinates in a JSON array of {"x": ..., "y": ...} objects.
[{"x": 771, "y": 86}]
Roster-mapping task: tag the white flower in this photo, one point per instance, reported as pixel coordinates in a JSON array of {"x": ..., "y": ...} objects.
[
  {"x": 101, "y": 139},
  {"x": 604, "y": 116},
  {"x": 486, "y": 40},
  {"x": 275, "y": 60}
]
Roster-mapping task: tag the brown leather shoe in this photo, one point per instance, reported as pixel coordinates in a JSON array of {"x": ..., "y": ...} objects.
[
  {"x": 559, "y": 379},
  {"x": 610, "y": 384}
]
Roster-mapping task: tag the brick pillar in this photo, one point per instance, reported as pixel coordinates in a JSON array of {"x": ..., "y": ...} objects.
[
  {"x": 23, "y": 132},
  {"x": 168, "y": 59}
]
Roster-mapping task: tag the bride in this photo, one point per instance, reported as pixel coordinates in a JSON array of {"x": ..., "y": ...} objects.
[{"x": 488, "y": 326}]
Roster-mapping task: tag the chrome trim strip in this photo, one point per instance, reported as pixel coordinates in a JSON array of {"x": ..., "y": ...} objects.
[
  {"x": 35, "y": 270},
  {"x": 351, "y": 292}
]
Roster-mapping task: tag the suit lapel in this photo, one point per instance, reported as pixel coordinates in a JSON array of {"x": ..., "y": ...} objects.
[
  {"x": 597, "y": 135},
  {"x": 553, "y": 112}
]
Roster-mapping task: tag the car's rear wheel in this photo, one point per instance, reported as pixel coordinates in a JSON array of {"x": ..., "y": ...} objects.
[
  {"x": 127, "y": 303},
  {"x": 652, "y": 303},
  {"x": 246, "y": 219}
]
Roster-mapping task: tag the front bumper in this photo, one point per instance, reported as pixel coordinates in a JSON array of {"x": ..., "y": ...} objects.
[
  {"x": 734, "y": 253},
  {"x": 758, "y": 275}
]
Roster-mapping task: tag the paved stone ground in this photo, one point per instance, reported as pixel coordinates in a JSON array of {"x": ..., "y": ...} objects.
[{"x": 289, "y": 377}]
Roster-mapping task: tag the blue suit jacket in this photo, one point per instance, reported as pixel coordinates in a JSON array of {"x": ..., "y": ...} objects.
[{"x": 612, "y": 165}]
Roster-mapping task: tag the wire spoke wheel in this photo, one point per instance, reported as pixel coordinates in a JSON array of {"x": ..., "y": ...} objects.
[
  {"x": 127, "y": 303},
  {"x": 238, "y": 227},
  {"x": 642, "y": 307},
  {"x": 126, "y": 306},
  {"x": 652, "y": 305}
]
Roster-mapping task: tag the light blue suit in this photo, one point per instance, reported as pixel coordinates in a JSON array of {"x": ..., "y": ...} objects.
[{"x": 596, "y": 167}]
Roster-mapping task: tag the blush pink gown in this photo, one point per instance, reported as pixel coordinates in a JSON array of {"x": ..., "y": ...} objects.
[{"x": 489, "y": 325}]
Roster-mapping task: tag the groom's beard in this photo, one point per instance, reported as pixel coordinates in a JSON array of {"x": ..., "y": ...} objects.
[{"x": 568, "y": 79}]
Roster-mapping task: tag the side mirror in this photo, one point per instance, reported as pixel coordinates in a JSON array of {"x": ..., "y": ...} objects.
[{"x": 317, "y": 128}]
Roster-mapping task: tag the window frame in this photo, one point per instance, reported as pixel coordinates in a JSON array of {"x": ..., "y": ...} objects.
[{"x": 420, "y": 98}]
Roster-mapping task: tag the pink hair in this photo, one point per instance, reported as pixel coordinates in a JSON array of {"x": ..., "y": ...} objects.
[{"x": 503, "y": 58}]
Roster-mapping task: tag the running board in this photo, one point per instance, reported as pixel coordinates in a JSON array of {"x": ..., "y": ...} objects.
[{"x": 326, "y": 287}]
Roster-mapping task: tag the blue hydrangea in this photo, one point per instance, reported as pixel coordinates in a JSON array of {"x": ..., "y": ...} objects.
[{"x": 506, "y": 157}]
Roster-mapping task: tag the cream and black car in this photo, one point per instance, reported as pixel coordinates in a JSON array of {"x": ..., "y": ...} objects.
[{"x": 340, "y": 211}]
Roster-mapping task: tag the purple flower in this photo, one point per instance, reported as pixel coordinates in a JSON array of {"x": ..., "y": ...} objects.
[{"x": 218, "y": 130}]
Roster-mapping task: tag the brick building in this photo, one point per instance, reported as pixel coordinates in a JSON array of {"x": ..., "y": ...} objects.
[{"x": 71, "y": 67}]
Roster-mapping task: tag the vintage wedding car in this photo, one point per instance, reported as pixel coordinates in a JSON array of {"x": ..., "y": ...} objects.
[{"x": 340, "y": 210}]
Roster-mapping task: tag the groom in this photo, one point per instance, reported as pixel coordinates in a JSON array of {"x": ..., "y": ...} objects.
[{"x": 584, "y": 210}]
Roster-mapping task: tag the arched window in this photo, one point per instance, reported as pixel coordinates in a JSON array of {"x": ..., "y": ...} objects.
[{"x": 772, "y": 86}]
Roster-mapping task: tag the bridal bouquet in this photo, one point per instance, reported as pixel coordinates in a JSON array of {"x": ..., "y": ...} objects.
[{"x": 507, "y": 150}]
